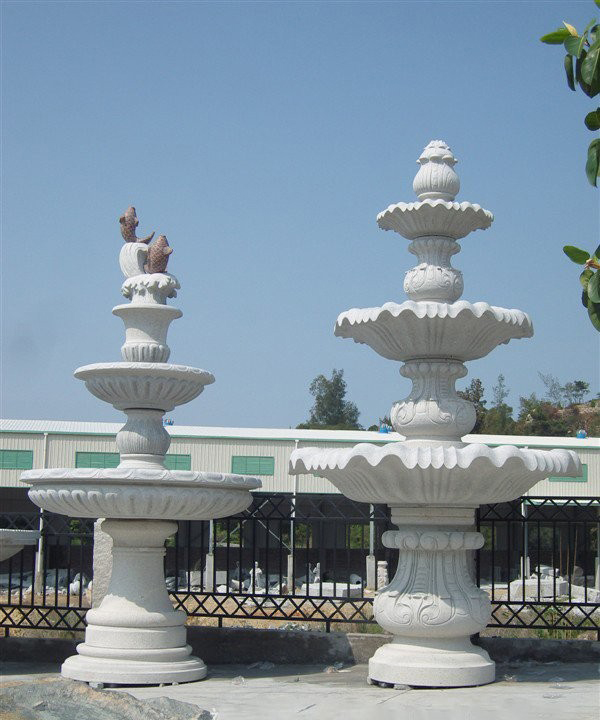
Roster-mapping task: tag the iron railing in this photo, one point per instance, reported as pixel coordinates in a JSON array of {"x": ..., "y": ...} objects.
[{"x": 305, "y": 560}]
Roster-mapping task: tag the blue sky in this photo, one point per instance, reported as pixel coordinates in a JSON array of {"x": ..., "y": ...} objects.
[{"x": 263, "y": 139}]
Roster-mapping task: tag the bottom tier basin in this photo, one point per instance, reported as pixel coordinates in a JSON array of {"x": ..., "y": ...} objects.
[
  {"x": 433, "y": 474},
  {"x": 137, "y": 493}
]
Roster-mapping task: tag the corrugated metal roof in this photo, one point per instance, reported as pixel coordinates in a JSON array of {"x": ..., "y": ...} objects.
[{"x": 103, "y": 428}]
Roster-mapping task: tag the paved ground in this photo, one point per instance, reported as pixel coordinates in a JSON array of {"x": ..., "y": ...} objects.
[{"x": 524, "y": 691}]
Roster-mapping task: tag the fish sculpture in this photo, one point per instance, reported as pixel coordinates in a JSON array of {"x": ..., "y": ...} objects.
[
  {"x": 158, "y": 255},
  {"x": 129, "y": 223}
]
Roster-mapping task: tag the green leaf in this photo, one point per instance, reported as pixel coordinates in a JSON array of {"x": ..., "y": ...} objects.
[
  {"x": 594, "y": 313},
  {"x": 576, "y": 254},
  {"x": 584, "y": 278},
  {"x": 590, "y": 68},
  {"x": 557, "y": 37},
  {"x": 597, "y": 2},
  {"x": 597, "y": 252},
  {"x": 593, "y": 288},
  {"x": 592, "y": 120},
  {"x": 578, "y": 79},
  {"x": 574, "y": 45},
  {"x": 569, "y": 71},
  {"x": 592, "y": 165},
  {"x": 584, "y": 298}
]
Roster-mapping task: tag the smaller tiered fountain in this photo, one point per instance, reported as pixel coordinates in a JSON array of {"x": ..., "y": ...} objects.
[
  {"x": 433, "y": 482},
  {"x": 13, "y": 541},
  {"x": 135, "y": 636}
]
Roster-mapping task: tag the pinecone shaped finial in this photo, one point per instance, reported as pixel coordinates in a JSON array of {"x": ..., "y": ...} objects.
[{"x": 436, "y": 178}]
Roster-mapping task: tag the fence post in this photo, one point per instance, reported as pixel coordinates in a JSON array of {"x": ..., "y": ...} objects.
[{"x": 209, "y": 565}]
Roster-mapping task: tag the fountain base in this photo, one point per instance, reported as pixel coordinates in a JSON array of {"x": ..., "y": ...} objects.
[
  {"x": 439, "y": 662},
  {"x": 135, "y": 637},
  {"x": 131, "y": 671}
]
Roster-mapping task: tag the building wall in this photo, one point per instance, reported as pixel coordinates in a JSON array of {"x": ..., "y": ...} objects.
[{"x": 213, "y": 452}]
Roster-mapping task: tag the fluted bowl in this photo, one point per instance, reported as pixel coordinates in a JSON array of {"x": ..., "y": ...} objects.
[
  {"x": 434, "y": 217},
  {"x": 460, "y": 331},
  {"x": 141, "y": 494},
  {"x": 157, "y": 386}
]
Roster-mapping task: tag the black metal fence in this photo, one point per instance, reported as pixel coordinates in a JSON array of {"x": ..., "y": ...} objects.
[{"x": 319, "y": 559}]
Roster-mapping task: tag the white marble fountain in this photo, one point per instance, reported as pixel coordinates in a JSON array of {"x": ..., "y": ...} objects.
[
  {"x": 432, "y": 481},
  {"x": 135, "y": 636}
]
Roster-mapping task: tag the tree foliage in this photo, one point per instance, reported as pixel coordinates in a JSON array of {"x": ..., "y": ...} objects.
[
  {"x": 330, "y": 409},
  {"x": 582, "y": 68},
  {"x": 561, "y": 412},
  {"x": 498, "y": 419},
  {"x": 474, "y": 393}
]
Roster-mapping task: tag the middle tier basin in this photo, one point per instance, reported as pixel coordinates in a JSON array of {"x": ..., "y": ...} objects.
[
  {"x": 156, "y": 386},
  {"x": 460, "y": 331}
]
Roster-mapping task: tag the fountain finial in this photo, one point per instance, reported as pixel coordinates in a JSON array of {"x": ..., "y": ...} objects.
[{"x": 436, "y": 179}]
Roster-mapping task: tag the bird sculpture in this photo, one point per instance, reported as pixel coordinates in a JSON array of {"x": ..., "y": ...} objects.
[
  {"x": 158, "y": 255},
  {"x": 129, "y": 223}
]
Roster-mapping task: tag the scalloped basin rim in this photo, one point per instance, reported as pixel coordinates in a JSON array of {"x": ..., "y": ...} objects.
[
  {"x": 436, "y": 457},
  {"x": 142, "y": 369},
  {"x": 431, "y": 309},
  {"x": 141, "y": 476}
]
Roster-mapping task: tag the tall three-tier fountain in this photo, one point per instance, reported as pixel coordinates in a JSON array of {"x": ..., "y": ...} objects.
[
  {"x": 432, "y": 481},
  {"x": 135, "y": 636}
]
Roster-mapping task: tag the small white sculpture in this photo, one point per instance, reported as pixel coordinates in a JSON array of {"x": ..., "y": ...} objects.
[{"x": 382, "y": 574}]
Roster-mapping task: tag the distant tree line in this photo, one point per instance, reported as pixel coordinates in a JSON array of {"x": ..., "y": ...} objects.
[{"x": 563, "y": 410}]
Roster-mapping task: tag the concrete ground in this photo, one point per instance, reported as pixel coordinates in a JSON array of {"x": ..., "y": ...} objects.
[{"x": 523, "y": 691}]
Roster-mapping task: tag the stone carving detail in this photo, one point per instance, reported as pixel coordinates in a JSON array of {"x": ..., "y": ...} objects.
[
  {"x": 434, "y": 278},
  {"x": 428, "y": 474},
  {"x": 432, "y": 593},
  {"x": 129, "y": 223},
  {"x": 382, "y": 574},
  {"x": 433, "y": 409},
  {"x": 158, "y": 255},
  {"x": 436, "y": 178},
  {"x": 156, "y": 386},
  {"x": 140, "y": 501},
  {"x": 461, "y": 330},
  {"x": 143, "y": 434},
  {"x": 154, "y": 288}
]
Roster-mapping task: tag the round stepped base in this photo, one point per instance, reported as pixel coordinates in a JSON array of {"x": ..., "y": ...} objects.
[
  {"x": 445, "y": 663},
  {"x": 131, "y": 671}
]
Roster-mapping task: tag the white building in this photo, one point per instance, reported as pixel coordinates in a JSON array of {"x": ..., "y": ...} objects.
[{"x": 263, "y": 452}]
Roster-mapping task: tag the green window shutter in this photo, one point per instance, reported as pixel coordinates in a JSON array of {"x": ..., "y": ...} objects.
[
  {"x": 16, "y": 459},
  {"x": 96, "y": 459},
  {"x": 583, "y": 478},
  {"x": 252, "y": 465},
  {"x": 178, "y": 462}
]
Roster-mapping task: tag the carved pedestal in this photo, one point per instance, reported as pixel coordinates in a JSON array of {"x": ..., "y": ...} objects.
[
  {"x": 432, "y": 606},
  {"x": 135, "y": 636}
]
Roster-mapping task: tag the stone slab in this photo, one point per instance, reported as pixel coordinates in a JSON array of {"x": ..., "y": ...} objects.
[{"x": 524, "y": 691}]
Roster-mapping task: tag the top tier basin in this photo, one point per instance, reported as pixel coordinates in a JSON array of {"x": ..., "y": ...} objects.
[{"x": 155, "y": 386}]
